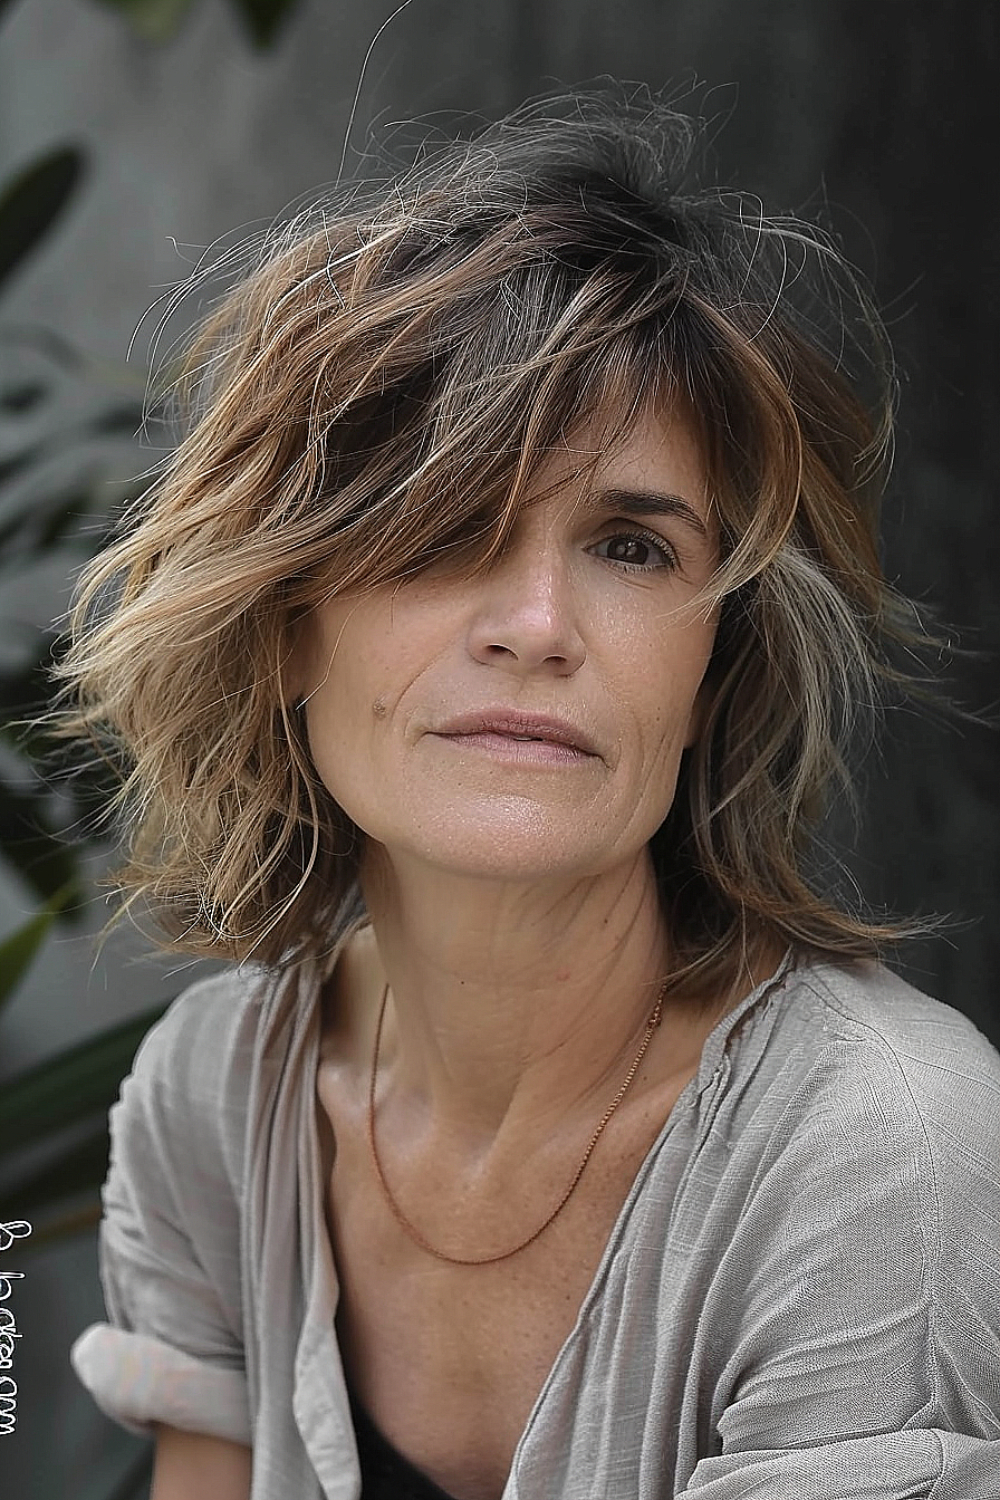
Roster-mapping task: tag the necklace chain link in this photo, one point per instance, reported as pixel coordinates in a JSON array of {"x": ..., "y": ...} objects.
[{"x": 486, "y": 1260}]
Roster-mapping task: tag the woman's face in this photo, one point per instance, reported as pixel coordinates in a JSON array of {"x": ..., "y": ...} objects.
[{"x": 589, "y": 617}]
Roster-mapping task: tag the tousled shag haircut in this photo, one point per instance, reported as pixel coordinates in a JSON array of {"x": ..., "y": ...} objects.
[{"x": 373, "y": 394}]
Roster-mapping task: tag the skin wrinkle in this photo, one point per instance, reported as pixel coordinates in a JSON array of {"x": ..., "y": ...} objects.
[{"x": 516, "y": 911}]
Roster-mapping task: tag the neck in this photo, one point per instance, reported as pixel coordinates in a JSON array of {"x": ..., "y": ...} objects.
[{"x": 513, "y": 1005}]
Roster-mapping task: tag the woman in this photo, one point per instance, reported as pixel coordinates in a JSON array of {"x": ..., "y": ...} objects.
[{"x": 479, "y": 666}]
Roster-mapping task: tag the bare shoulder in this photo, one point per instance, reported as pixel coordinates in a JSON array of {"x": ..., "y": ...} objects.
[{"x": 196, "y": 1466}]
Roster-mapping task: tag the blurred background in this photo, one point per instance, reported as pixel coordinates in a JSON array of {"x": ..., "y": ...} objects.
[{"x": 133, "y": 134}]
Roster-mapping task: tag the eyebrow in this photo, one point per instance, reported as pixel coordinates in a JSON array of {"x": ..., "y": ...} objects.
[{"x": 648, "y": 503}]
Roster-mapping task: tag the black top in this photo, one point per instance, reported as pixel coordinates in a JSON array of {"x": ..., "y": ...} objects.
[{"x": 385, "y": 1473}]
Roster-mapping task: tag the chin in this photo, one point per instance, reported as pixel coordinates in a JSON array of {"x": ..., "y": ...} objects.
[
  {"x": 483, "y": 854},
  {"x": 484, "y": 839}
]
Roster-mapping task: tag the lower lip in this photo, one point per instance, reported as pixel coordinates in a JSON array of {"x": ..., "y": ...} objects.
[{"x": 522, "y": 752}]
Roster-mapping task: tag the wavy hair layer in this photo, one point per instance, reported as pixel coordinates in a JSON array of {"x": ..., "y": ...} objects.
[{"x": 374, "y": 394}]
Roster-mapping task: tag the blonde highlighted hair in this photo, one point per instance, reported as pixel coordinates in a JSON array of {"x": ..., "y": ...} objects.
[{"x": 373, "y": 395}]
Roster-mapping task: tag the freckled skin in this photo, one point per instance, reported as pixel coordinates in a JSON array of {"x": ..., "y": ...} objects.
[{"x": 557, "y": 627}]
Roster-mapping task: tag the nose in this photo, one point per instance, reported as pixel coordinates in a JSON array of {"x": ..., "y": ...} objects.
[{"x": 525, "y": 611}]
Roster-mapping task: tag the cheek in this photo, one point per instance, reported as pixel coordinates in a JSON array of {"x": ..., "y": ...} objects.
[
  {"x": 700, "y": 686},
  {"x": 681, "y": 700},
  {"x": 698, "y": 715},
  {"x": 348, "y": 666},
  {"x": 353, "y": 715},
  {"x": 348, "y": 709}
]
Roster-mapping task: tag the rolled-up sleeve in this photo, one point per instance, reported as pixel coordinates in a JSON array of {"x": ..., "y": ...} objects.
[
  {"x": 868, "y": 1360},
  {"x": 169, "y": 1240}
]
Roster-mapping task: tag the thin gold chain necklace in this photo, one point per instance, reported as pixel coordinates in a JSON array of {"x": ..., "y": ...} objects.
[{"x": 487, "y": 1260}]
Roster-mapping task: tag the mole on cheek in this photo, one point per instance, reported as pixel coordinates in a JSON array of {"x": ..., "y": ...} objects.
[{"x": 379, "y": 708}]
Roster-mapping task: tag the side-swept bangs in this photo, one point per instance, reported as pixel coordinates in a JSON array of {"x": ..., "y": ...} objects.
[{"x": 374, "y": 396}]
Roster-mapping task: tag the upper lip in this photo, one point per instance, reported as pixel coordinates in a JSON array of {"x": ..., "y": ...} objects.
[{"x": 511, "y": 721}]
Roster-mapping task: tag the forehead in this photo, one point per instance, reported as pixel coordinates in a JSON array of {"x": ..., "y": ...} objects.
[{"x": 655, "y": 452}]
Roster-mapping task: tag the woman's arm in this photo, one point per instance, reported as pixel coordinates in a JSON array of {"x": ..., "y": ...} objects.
[{"x": 192, "y": 1466}]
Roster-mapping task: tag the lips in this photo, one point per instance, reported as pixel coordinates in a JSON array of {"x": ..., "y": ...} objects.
[{"x": 520, "y": 726}]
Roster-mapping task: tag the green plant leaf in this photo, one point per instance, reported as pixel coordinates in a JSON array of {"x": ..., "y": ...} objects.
[
  {"x": 153, "y": 20},
  {"x": 19, "y": 948},
  {"x": 265, "y": 18},
  {"x": 66, "y": 1089},
  {"x": 33, "y": 201}
]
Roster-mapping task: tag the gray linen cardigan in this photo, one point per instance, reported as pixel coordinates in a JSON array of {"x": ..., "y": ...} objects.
[{"x": 800, "y": 1299}]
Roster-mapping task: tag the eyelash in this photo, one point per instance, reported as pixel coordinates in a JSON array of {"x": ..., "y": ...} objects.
[{"x": 649, "y": 539}]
